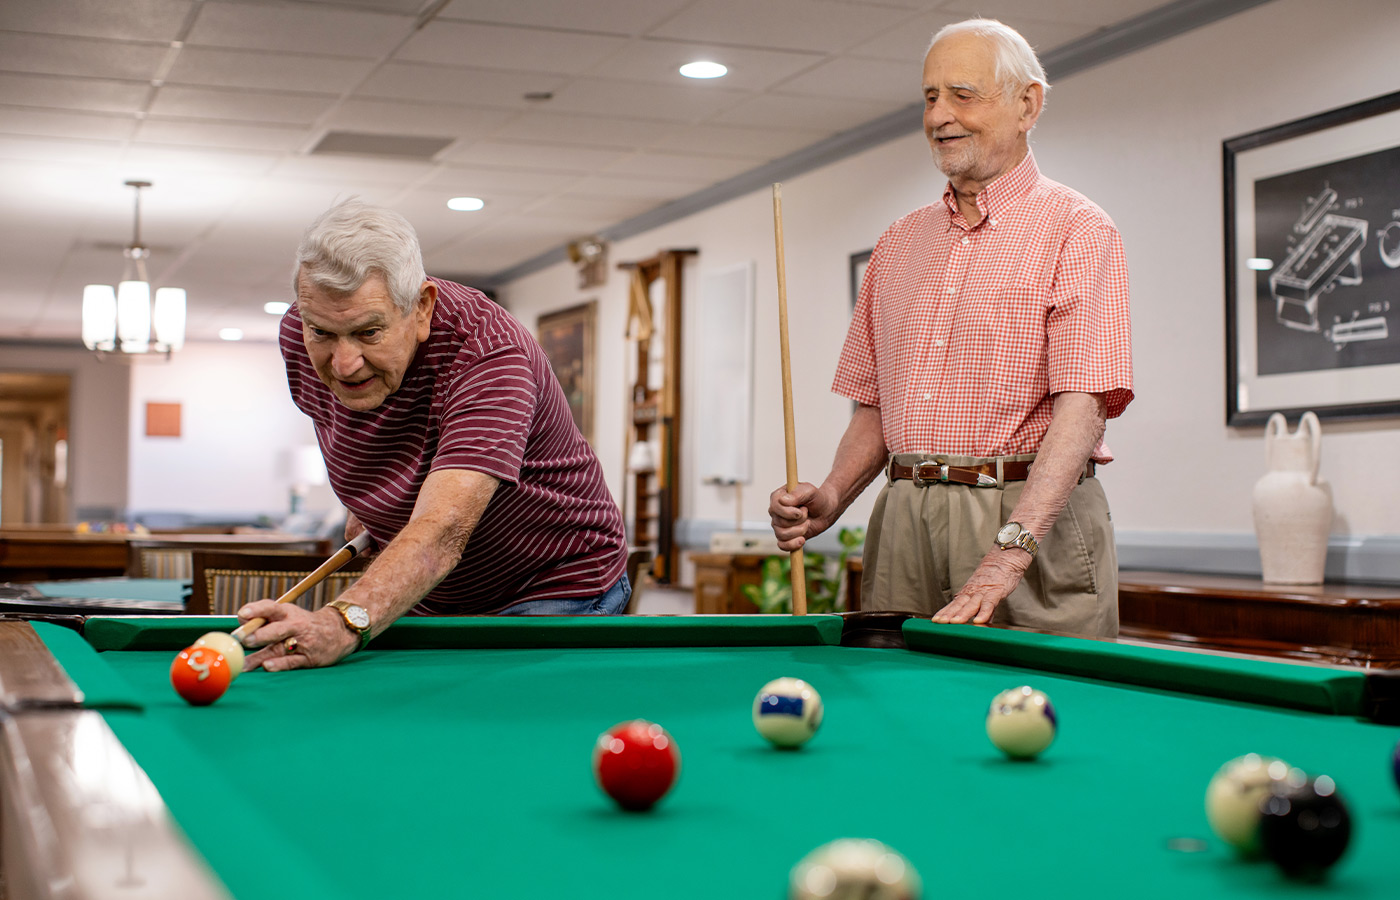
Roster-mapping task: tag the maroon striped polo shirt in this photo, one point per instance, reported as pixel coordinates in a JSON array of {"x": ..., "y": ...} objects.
[{"x": 478, "y": 395}]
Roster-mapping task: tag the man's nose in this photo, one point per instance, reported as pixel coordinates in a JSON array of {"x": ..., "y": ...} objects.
[
  {"x": 937, "y": 114},
  {"x": 346, "y": 359}
]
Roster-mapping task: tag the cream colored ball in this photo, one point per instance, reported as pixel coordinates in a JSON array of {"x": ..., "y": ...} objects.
[
  {"x": 1235, "y": 792},
  {"x": 787, "y": 711},
  {"x": 854, "y": 867},
  {"x": 1021, "y": 722},
  {"x": 227, "y": 646}
]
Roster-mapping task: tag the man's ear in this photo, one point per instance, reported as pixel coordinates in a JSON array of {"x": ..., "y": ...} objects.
[
  {"x": 1032, "y": 102},
  {"x": 423, "y": 312}
]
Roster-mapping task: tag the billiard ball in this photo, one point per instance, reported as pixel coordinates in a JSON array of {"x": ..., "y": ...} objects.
[
  {"x": 226, "y": 644},
  {"x": 1304, "y": 828},
  {"x": 200, "y": 675},
  {"x": 1021, "y": 722},
  {"x": 787, "y": 711},
  {"x": 636, "y": 763},
  {"x": 1235, "y": 793},
  {"x": 853, "y": 867}
]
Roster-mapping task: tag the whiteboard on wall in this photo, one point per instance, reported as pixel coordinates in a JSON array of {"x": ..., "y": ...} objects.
[{"x": 723, "y": 423}]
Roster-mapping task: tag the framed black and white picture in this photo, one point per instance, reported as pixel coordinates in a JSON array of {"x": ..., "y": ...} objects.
[
  {"x": 1312, "y": 263},
  {"x": 858, "y": 263}
]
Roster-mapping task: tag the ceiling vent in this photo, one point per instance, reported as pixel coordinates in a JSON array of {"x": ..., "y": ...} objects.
[{"x": 394, "y": 146}]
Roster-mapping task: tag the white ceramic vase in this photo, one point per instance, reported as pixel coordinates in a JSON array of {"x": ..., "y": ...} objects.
[{"x": 1292, "y": 507}]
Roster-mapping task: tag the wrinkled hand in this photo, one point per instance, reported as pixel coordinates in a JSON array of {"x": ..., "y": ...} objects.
[
  {"x": 800, "y": 515},
  {"x": 353, "y": 529},
  {"x": 322, "y": 638},
  {"x": 995, "y": 578}
]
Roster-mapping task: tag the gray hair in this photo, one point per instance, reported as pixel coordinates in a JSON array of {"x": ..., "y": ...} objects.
[
  {"x": 352, "y": 241},
  {"x": 1016, "y": 63}
]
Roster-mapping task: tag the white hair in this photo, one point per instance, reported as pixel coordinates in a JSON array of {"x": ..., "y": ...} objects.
[
  {"x": 1016, "y": 63},
  {"x": 352, "y": 241}
]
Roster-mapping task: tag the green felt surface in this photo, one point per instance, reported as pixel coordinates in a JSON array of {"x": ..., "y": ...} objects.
[
  {"x": 478, "y": 765},
  {"x": 165, "y": 590}
]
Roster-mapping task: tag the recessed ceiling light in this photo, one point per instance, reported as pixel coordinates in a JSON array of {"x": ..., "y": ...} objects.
[
  {"x": 276, "y": 307},
  {"x": 1259, "y": 264},
  {"x": 466, "y": 204},
  {"x": 703, "y": 70},
  {"x": 230, "y": 334}
]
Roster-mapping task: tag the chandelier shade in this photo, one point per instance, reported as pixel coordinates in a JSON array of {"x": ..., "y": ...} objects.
[{"x": 122, "y": 319}]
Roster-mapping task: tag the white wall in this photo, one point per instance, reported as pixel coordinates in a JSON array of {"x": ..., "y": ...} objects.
[
  {"x": 238, "y": 430},
  {"x": 1142, "y": 137},
  {"x": 97, "y": 426}
]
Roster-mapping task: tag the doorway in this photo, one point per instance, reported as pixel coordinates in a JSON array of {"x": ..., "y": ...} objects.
[{"x": 34, "y": 464}]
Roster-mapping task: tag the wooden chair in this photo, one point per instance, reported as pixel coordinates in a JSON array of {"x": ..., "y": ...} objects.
[
  {"x": 171, "y": 558},
  {"x": 226, "y": 580}
]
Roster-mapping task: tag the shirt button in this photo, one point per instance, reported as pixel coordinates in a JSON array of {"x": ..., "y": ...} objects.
[
  {"x": 992, "y": 222},
  {"x": 950, "y": 290},
  {"x": 966, "y": 240},
  {"x": 938, "y": 342},
  {"x": 928, "y": 398}
]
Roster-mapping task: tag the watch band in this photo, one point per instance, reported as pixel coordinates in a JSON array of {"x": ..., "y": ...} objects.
[
  {"x": 1022, "y": 539},
  {"x": 356, "y": 619}
]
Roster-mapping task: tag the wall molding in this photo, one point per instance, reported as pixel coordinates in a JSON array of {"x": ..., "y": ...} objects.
[{"x": 1373, "y": 559}]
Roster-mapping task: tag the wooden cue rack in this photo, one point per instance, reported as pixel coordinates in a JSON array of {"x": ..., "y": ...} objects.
[{"x": 652, "y": 498}]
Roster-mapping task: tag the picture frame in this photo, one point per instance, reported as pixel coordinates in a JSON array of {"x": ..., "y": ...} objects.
[
  {"x": 568, "y": 340},
  {"x": 858, "y": 263},
  {"x": 1312, "y": 260}
]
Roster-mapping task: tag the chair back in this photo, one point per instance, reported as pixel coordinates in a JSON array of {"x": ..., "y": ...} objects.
[
  {"x": 227, "y": 580},
  {"x": 171, "y": 557}
]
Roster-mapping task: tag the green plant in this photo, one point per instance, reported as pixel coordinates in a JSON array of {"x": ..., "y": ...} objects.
[{"x": 773, "y": 594}]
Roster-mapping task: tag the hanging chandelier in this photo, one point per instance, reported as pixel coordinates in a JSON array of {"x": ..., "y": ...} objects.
[{"x": 125, "y": 319}]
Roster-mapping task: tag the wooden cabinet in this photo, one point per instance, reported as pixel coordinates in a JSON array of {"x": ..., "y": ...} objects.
[{"x": 719, "y": 581}]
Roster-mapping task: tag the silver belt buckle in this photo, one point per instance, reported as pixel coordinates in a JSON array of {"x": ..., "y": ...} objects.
[{"x": 921, "y": 481}]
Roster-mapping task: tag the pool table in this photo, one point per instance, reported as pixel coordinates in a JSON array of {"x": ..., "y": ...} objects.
[{"x": 452, "y": 759}]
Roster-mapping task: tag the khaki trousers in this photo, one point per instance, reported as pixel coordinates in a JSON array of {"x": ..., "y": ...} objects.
[{"x": 923, "y": 543}]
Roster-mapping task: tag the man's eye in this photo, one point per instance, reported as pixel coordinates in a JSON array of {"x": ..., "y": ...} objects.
[{"x": 370, "y": 334}]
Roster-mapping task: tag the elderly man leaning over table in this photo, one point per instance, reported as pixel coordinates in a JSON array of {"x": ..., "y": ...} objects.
[
  {"x": 447, "y": 437},
  {"x": 990, "y": 343}
]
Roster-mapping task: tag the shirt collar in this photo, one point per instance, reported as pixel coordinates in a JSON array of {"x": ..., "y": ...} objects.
[{"x": 1003, "y": 193}]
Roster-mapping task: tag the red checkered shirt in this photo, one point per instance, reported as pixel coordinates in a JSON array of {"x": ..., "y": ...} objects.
[{"x": 962, "y": 334}]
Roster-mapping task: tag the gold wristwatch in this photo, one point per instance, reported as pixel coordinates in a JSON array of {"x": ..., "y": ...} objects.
[
  {"x": 356, "y": 619},
  {"x": 1012, "y": 534}
]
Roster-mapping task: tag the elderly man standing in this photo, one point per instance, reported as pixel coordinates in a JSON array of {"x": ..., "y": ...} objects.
[
  {"x": 990, "y": 344},
  {"x": 447, "y": 437}
]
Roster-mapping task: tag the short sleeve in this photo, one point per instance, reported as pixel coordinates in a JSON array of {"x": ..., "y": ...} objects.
[
  {"x": 1088, "y": 329},
  {"x": 856, "y": 374},
  {"x": 485, "y": 407}
]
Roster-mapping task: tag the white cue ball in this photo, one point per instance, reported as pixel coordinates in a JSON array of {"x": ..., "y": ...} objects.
[
  {"x": 1235, "y": 793},
  {"x": 787, "y": 711},
  {"x": 226, "y": 645},
  {"x": 1021, "y": 722},
  {"x": 854, "y": 867}
]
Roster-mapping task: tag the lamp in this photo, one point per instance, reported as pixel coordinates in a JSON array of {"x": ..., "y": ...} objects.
[{"x": 123, "y": 318}]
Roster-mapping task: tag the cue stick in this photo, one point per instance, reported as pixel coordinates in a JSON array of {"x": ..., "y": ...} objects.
[
  {"x": 798, "y": 571},
  {"x": 360, "y": 544}
]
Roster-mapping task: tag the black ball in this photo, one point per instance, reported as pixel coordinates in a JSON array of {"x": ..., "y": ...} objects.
[{"x": 1305, "y": 828}]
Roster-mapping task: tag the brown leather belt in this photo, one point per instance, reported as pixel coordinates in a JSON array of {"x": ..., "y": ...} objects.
[{"x": 984, "y": 475}]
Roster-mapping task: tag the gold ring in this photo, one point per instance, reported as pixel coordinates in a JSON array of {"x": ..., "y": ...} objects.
[{"x": 290, "y": 645}]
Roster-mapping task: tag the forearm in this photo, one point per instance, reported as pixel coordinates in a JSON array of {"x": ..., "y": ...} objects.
[
  {"x": 860, "y": 457},
  {"x": 427, "y": 549},
  {"x": 1076, "y": 427}
]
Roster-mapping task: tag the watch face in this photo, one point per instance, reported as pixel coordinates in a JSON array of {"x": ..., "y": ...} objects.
[
  {"x": 357, "y": 616},
  {"x": 1008, "y": 533}
]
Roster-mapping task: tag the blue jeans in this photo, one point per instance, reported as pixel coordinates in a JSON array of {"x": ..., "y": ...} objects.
[{"x": 611, "y": 602}]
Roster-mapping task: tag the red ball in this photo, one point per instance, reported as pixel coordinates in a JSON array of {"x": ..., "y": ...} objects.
[
  {"x": 200, "y": 675},
  {"x": 636, "y": 763}
]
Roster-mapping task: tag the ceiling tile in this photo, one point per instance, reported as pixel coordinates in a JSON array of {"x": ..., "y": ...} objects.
[
  {"x": 59, "y": 152},
  {"x": 816, "y": 25},
  {"x": 42, "y": 54},
  {"x": 677, "y": 103},
  {"x": 463, "y": 87},
  {"x": 593, "y": 130},
  {"x": 659, "y": 61},
  {"x": 88, "y": 94},
  {"x": 350, "y": 170},
  {"x": 862, "y": 79},
  {"x": 1080, "y": 12},
  {"x": 219, "y": 134},
  {"x": 158, "y": 158},
  {"x": 908, "y": 42},
  {"x": 575, "y": 207},
  {"x": 500, "y": 47},
  {"x": 382, "y": 116},
  {"x": 132, "y": 20},
  {"x": 14, "y": 120},
  {"x": 728, "y": 140},
  {"x": 275, "y": 71},
  {"x": 812, "y": 113},
  {"x": 477, "y": 181},
  {"x": 613, "y": 17},
  {"x": 677, "y": 165},
  {"x": 241, "y": 106},
  {"x": 657, "y": 189},
  {"x": 555, "y": 157},
  {"x": 402, "y": 7},
  {"x": 298, "y": 29}
]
